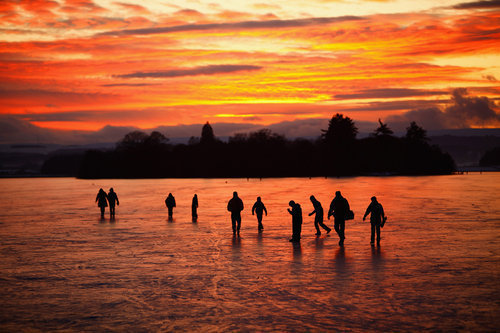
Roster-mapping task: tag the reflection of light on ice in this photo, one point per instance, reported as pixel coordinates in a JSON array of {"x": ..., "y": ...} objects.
[{"x": 64, "y": 268}]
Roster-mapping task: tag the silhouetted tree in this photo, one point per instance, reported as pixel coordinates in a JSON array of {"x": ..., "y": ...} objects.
[
  {"x": 207, "y": 134},
  {"x": 416, "y": 133},
  {"x": 132, "y": 140},
  {"x": 382, "y": 130},
  {"x": 340, "y": 130},
  {"x": 338, "y": 141}
]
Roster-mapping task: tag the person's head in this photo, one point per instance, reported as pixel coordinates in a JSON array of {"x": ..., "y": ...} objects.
[
  {"x": 259, "y": 199},
  {"x": 337, "y": 194},
  {"x": 313, "y": 199},
  {"x": 235, "y": 194},
  {"x": 170, "y": 194},
  {"x": 101, "y": 190},
  {"x": 196, "y": 195},
  {"x": 374, "y": 199},
  {"x": 291, "y": 203},
  {"x": 111, "y": 189}
]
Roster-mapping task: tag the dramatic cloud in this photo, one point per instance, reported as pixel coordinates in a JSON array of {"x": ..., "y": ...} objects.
[
  {"x": 389, "y": 93},
  {"x": 202, "y": 70},
  {"x": 270, "y": 24},
  {"x": 492, "y": 4},
  {"x": 464, "y": 112}
]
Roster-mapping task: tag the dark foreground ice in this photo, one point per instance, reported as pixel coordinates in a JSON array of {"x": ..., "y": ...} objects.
[{"x": 62, "y": 268}]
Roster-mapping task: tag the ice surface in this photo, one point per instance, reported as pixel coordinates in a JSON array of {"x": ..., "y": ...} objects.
[{"x": 63, "y": 268}]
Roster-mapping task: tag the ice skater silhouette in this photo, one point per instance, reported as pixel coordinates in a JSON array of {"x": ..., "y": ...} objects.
[
  {"x": 102, "y": 201},
  {"x": 339, "y": 208},
  {"x": 258, "y": 208},
  {"x": 235, "y": 206},
  {"x": 318, "y": 218},
  {"x": 170, "y": 203},
  {"x": 296, "y": 213},
  {"x": 112, "y": 199},
  {"x": 377, "y": 219}
]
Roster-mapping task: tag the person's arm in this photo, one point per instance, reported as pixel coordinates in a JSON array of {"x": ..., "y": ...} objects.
[
  {"x": 313, "y": 212},
  {"x": 265, "y": 210},
  {"x": 97, "y": 197},
  {"x": 330, "y": 210},
  {"x": 253, "y": 208},
  {"x": 367, "y": 212},
  {"x": 290, "y": 211},
  {"x": 117, "y": 201}
]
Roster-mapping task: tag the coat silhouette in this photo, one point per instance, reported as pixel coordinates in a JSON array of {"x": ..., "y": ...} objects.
[
  {"x": 113, "y": 200},
  {"x": 377, "y": 218},
  {"x": 194, "y": 207},
  {"x": 259, "y": 208},
  {"x": 296, "y": 213},
  {"x": 102, "y": 201},
  {"x": 235, "y": 206},
  {"x": 339, "y": 207},
  {"x": 170, "y": 203},
  {"x": 318, "y": 218}
]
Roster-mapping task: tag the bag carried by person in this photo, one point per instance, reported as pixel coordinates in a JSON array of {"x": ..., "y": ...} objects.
[{"x": 349, "y": 215}]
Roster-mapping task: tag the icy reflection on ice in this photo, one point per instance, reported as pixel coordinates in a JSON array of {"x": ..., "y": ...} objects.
[{"x": 63, "y": 267}]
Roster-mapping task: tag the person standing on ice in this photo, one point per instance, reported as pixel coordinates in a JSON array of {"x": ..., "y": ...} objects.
[
  {"x": 377, "y": 219},
  {"x": 296, "y": 213},
  {"x": 194, "y": 208},
  {"x": 258, "y": 208},
  {"x": 102, "y": 201},
  {"x": 112, "y": 199},
  {"x": 170, "y": 203},
  {"x": 339, "y": 207},
  {"x": 235, "y": 206}
]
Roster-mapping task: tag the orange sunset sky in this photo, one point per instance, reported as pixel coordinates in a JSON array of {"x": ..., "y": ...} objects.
[{"x": 83, "y": 64}]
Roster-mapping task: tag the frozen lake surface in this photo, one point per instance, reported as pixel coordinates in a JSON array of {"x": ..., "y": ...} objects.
[{"x": 65, "y": 269}]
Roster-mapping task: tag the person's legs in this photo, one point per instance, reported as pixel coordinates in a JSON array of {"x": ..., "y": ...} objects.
[
  {"x": 170, "y": 211},
  {"x": 324, "y": 226},
  {"x": 372, "y": 236},
  {"x": 102, "y": 211},
  {"x": 233, "y": 223},
  {"x": 111, "y": 210},
  {"x": 318, "y": 232},
  {"x": 378, "y": 234},
  {"x": 238, "y": 220},
  {"x": 342, "y": 232},
  {"x": 259, "y": 219}
]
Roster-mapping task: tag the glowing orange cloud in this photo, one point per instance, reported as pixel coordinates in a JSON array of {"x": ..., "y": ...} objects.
[{"x": 78, "y": 64}]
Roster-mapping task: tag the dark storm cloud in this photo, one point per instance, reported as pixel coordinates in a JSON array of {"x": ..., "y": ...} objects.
[
  {"x": 202, "y": 70},
  {"x": 478, "y": 5},
  {"x": 464, "y": 111},
  {"x": 269, "y": 24},
  {"x": 490, "y": 78},
  {"x": 389, "y": 93}
]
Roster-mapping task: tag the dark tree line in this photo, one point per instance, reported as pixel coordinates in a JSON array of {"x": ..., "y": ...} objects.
[{"x": 337, "y": 152}]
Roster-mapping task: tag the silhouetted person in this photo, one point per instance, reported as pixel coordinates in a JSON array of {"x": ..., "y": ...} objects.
[
  {"x": 259, "y": 208},
  {"x": 377, "y": 218},
  {"x": 339, "y": 208},
  {"x": 194, "y": 207},
  {"x": 235, "y": 206},
  {"x": 112, "y": 199},
  {"x": 296, "y": 213},
  {"x": 102, "y": 201},
  {"x": 170, "y": 203},
  {"x": 318, "y": 218}
]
